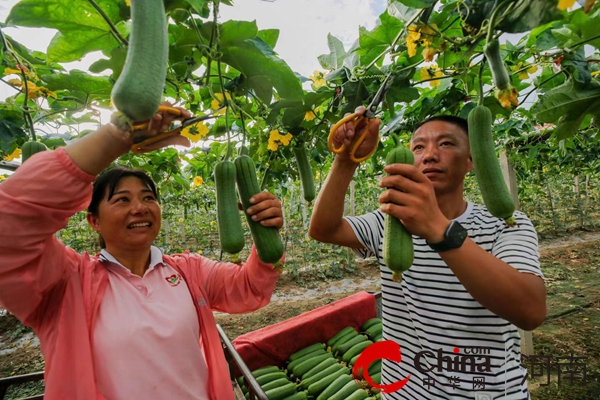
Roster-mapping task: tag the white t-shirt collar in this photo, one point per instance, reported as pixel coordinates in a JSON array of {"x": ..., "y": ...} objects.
[{"x": 156, "y": 257}]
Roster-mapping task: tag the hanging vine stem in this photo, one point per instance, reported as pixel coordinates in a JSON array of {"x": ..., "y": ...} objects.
[
  {"x": 492, "y": 22},
  {"x": 113, "y": 29},
  {"x": 541, "y": 83},
  {"x": 229, "y": 148},
  {"x": 481, "y": 93},
  {"x": 213, "y": 35}
]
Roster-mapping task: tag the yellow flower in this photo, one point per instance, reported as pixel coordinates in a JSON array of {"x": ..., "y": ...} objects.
[
  {"x": 507, "y": 97},
  {"x": 318, "y": 79},
  {"x": 180, "y": 219},
  {"x": 428, "y": 53},
  {"x": 198, "y": 181},
  {"x": 544, "y": 170},
  {"x": 533, "y": 69},
  {"x": 218, "y": 102},
  {"x": 9, "y": 71},
  {"x": 15, "y": 154},
  {"x": 200, "y": 252},
  {"x": 524, "y": 73},
  {"x": 33, "y": 90},
  {"x": 430, "y": 73},
  {"x": 212, "y": 223},
  {"x": 310, "y": 115},
  {"x": 427, "y": 34},
  {"x": 2, "y": 177},
  {"x": 565, "y": 4},
  {"x": 412, "y": 41},
  {"x": 128, "y": 2},
  {"x": 595, "y": 73},
  {"x": 195, "y": 132},
  {"x": 276, "y": 140}
]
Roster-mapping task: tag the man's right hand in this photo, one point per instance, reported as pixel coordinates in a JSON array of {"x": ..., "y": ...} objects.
[{"x": 347, "y": 135}]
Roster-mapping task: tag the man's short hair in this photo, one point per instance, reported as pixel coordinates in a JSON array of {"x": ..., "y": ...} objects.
[{"x": 458, "y": 121}]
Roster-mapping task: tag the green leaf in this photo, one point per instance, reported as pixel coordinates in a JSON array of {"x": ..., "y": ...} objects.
[
  {"x": 34, "y": 57},
  {"x": 542, "y": 38},
  {"x": 417, "y": 3},
  {"x": 198, "y": 5},
  {"x": 81, "y": 27},
  {"x": 79, "y": 81},
  {"x": 529, "y": 15},
  {"x": 566, "y": 99},
  {"x": 232, "y": 32},
  {"x": 9, "y": 131},
  {"x": 336, "y": 56},
  {"x": 565, "y": 35},
  {"x": 11, "y": 112},
  {"x": 114, "y": 63},
  {"x": 577, "y": 65},
  {"x": 589, "y": 28},
  {"x": 263, "y": 69},
  {"x": 398, "y": 10},
  {"x": 270, "y": 36},
  {"x": 374, "y": 43}
]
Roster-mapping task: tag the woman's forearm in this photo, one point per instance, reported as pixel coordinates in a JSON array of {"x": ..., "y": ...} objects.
[{"x": 95, "y": 151}]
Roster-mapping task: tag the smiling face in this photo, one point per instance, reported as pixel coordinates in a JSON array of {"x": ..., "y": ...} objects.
[
  {"x": 130, "y": 219},
  {"x": 442, "y": 153}
]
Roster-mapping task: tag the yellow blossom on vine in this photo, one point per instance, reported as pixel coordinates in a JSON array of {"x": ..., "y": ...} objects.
[
  {"x": 431, "y": 72},
  {"x": 412, "y": 41},
  {"x": 15, "y": 154},
  {"x": 198, "y": 181},
  {"x": 419, "y": 37},
  {"x": 276, "y": 140},
  {"x": 318, "y": 79},
  {"x": 33, "y": 91},
  {"x": 524, "y": 74},
  {"x": 195, "y": 132},
  {"x": 507, "y": 97},
  {"x": 180, "y": 219},
  {"x": 9, "y": 71},
  {"x": 218, "y": 102},
  {"x": 595, "y": 73},
  {"x": 212, "y": 223},
  {"x": 200, "y": 252},
  {"x": 428, "y": 53},
  {"x": 565, "y": 4},
  {"x": 310, "y": 115}
]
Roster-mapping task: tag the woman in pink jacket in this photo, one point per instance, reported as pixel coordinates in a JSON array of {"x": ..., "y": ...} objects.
[{"x": 130, "y": 323}]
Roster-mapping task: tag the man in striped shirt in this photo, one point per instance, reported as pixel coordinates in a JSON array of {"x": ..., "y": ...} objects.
[{"x": 469, "y": 295}]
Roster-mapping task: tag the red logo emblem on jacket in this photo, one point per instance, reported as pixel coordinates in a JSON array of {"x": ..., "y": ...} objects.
[{"x": 174, "y": 280}]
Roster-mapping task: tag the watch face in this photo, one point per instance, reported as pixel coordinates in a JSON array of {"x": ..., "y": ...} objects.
[{"x": 457, "y": 234}]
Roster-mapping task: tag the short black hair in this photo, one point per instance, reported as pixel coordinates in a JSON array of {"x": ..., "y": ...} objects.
[
  {"x": 109, "y": 180},
  {"x": 458, "y": 121}
]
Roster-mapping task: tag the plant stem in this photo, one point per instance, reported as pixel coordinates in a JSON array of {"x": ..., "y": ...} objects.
[
  {"x": 481, "y": 94},
  {"x": 213, "y": 34},
  {"x": 540, "y": 84},
  {"x": 113, "y": 28},
  {"x": 229, "y": 149}
]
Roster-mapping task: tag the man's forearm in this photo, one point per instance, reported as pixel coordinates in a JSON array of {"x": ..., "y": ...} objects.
[
  {"x": 329, "y": 206},
  {"x": 517, "y": 297}
]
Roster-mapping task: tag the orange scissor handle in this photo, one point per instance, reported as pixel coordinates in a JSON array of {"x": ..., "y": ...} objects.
[
  {"x": 358, "y": 118},
  {"x": 136, "y": 147},
  {"x": 172, "y": 110}
]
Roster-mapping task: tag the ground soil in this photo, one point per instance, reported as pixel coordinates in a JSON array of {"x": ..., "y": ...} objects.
[{"x": 571, "y": 265}]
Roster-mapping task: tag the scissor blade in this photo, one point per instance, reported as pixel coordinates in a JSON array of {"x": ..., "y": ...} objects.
[{"x": 387, "y": 83}]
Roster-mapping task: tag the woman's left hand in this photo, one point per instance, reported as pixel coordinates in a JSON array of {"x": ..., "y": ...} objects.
[{"x": 266, "y": 209}]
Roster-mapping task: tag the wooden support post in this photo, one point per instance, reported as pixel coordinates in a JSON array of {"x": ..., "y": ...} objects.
[{"x": 510, "y": 177}]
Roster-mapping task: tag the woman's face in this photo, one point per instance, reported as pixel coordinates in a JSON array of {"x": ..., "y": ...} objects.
[{"x": 131, "y": 219}]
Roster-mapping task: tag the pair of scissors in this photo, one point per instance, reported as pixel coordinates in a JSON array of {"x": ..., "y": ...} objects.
[
  {"x": 358, "y": 118},
  {"x": 142, "y": 141}
]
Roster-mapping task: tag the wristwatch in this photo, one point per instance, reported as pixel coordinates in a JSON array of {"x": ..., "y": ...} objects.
[{"x": 454, "y": 237}]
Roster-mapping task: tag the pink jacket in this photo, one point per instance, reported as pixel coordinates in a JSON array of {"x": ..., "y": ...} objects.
[{"x": 57, "y": 291}]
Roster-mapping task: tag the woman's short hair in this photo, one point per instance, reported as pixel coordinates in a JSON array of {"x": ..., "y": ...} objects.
[{"x": 107, "y": 183}]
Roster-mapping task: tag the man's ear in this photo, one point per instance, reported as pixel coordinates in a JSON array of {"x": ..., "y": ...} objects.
[
  {"x": 93, "y": 221},
  {"x": 470, "y": 166}
]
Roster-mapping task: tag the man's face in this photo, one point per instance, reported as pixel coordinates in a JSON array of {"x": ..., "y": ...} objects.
[{"x": 442, "y": 153}]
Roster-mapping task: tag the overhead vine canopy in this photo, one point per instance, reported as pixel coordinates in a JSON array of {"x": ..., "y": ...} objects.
[{"x": 434, "y": 50}]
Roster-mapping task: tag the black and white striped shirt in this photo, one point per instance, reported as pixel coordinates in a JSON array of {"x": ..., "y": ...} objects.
[{"x": 431, "y": 310}]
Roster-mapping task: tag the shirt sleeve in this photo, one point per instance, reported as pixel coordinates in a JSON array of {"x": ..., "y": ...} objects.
[
  {"x": 518, "y": 246},
  {"x": 368, "y": 229},
  {"x": 236, "y": 289},
  {"x": 35, "y": 203}
]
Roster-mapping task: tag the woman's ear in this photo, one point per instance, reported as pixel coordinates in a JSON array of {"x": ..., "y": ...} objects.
[{"x": 93, "y": 221}]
